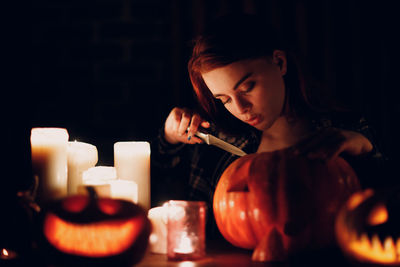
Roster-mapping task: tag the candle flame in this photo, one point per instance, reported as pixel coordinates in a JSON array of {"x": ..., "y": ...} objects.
[
  {"x": 4, "y": 252},
  {"x": 185, "y": 245}
]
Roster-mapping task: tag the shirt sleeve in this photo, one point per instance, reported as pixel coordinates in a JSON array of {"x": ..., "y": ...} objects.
[
  {"x": 371, "y": 168},
  {"x": 169, "y": 170},
  {"x": 164, "y": 154}
]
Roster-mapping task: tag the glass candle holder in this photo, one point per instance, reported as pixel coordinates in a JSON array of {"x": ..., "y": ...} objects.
[{"x": 186, "y": 230}]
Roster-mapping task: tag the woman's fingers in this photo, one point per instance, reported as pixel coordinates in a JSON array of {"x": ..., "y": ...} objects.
[
  {"x": 316, "y": 140},
  {"x": 181, "y": 125},
  {"x": 194, "y": 125},
  {"x": 323, "y": 145},
  {"x": 186, "y": 117},
  {"x": 329, "y": 143}
]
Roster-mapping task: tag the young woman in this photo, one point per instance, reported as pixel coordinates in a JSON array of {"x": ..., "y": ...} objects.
[{"x": 252, "y": 95}]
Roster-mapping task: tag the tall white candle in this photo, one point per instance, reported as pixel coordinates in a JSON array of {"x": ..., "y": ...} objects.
[
  {"x": 81, "y": 156},
  {"x": 132, "y": 162},
  {"x": 49, "y": 162}
]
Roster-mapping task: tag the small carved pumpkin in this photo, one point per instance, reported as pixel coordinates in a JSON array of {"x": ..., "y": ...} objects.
[
  {"x": 368, "y": 227},
  {"x": 280, "y": 204},
  {"x": 87, "y": 230}
]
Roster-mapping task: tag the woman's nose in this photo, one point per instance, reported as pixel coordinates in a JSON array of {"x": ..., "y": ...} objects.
[{"x": 242, "y": 105}]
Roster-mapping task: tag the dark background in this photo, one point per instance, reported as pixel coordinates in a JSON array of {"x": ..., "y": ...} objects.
[{"x": 111, "y": 70}]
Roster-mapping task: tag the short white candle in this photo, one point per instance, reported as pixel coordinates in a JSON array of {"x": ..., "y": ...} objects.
[
  {"x": 105, "y": 182},
  {"x": 123, "y": 189},
  {"x": 81, "y": 156},
  {"x": 132, "y": 161},
  {"x": 158, "y": 217},
  {"x": 49, "y": 162},
  {"x": 98, "y": 177},
  {"x": 99, "y": 173}
]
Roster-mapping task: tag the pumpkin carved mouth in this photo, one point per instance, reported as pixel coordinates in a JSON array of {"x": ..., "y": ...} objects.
[
  {"x": 93, "y": 240},
  {"x": 374, "y": 249},
  {"x": 87, "y": 230}
]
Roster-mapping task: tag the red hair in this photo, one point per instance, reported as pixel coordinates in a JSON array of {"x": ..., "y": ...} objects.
[{"x": 239, "y": 37}]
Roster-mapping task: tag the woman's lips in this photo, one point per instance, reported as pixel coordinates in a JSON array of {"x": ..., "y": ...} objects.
[{"x": 254, "y": 120}]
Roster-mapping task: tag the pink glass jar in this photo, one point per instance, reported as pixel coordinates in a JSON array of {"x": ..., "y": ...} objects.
[{"x": 186, "y": 230}]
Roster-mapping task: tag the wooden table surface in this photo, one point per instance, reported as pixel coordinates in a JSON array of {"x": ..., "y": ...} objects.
[{"x": 218, "y": 254}]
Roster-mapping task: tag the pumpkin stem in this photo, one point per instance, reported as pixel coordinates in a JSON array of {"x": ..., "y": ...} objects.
[
  {"x": 270, "y": 247},
  {"x": 92, "y": 192}
]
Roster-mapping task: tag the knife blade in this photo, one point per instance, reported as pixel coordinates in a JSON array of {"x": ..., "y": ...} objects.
[{"x": 215, "y": 141}]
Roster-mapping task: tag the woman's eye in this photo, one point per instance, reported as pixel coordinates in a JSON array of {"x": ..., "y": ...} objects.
[
  {"x": 248, "y": 87},
  {"x": 224, "y": 100}
]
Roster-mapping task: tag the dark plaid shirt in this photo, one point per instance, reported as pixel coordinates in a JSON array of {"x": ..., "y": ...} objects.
[{"x": 196, "y": 169}]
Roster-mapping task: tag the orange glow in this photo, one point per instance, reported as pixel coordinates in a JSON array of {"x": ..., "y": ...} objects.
[
  {"x": 4, "y": 252},
  {"x": 369, "y": 249},
  {"x": 100, "y": 239},
  {"x": 358, "y": 197},
  {"x": 378, "y": 215},
  {"x": 374, "y": 251}
]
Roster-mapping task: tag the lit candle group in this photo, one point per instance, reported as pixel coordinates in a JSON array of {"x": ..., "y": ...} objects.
[{"x": 60, "y": 167}]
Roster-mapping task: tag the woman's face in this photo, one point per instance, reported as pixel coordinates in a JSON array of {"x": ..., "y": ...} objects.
[{"x": 252, "y": 90}]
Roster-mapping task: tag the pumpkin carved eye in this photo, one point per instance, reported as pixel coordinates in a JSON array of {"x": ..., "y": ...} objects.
[
  {"x": 378, "y": 215},
  {"x": 109, "y": 206},
  {"x": 75, "y": 204}
]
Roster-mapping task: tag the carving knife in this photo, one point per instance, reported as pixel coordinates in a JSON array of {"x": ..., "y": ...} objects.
[{"x": 215, "y": 141}]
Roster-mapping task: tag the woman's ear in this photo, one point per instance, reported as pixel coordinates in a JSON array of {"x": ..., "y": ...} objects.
[{"x": 279, "y": 58}]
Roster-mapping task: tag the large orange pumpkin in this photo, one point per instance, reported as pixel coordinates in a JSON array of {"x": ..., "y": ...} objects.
[{"x": 280, "y": 204}]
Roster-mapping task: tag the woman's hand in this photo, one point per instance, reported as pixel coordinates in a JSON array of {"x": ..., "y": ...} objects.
[
  {"x": 181, "y": 125},
  {"x": 329, "y": 143}
]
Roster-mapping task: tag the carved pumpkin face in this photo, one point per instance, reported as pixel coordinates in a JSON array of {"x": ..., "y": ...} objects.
[
  {"x": 368, "y": 227},
  {"x": 93, "y": 230},
  {"x": 280, "y": 204}
]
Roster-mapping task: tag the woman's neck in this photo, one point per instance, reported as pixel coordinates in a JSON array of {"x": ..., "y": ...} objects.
[{"x": 283, "y": 134}]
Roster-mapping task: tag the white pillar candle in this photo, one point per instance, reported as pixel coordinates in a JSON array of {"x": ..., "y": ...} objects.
[
  {"x": 49, "y": 162},
  {"x": 81, "y": 156},
  {"x": 132, "y": 162},
  {"x": 123, "y": 189},
  {"x": 158, "y": 217}
]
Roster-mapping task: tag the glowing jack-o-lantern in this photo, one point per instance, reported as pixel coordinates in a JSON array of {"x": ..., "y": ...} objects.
[
  {"x": 368, "y": 227},
  {"x": 88, "y": 230},
  {"x": 280, "y": 204}
]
